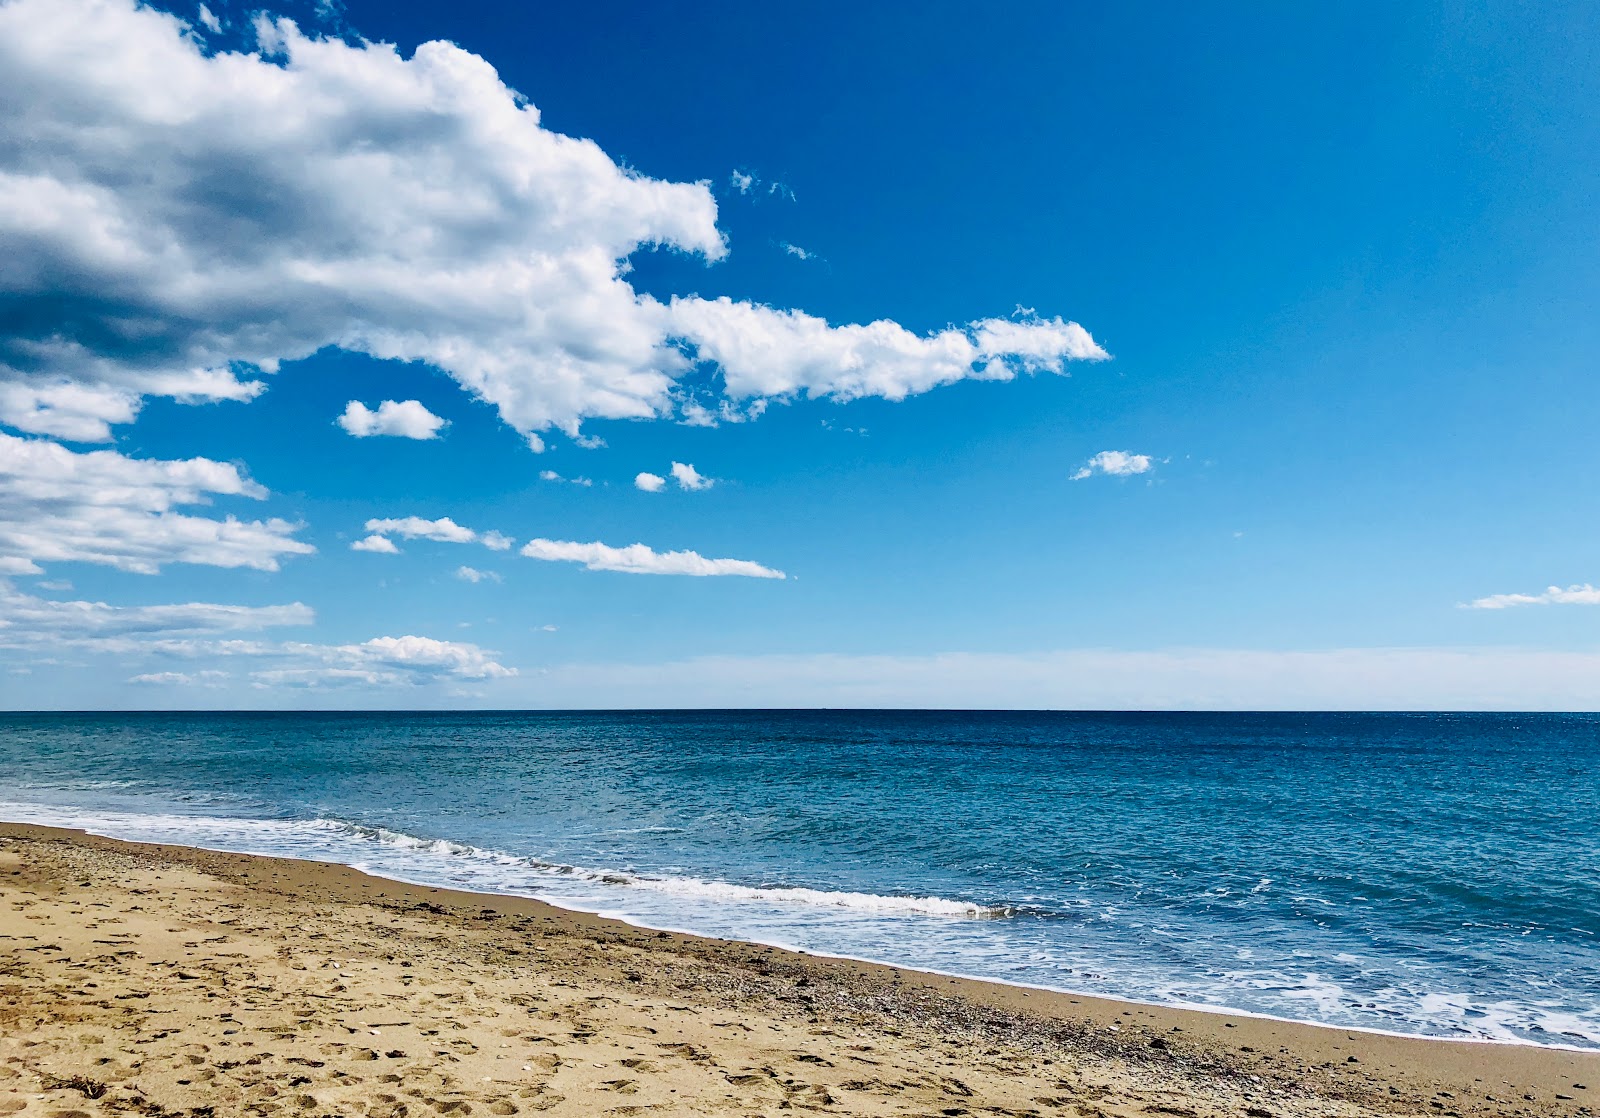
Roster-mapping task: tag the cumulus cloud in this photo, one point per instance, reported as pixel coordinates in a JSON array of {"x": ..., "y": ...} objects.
[
  {"x": 407, "y": 419},
  {"x": 650, "y": 483},
  {"x": 171, "y": 230},
  {"x": 472, "y": 574},
  {"x": 688, "y": 477},
  {"x": 638, "y": 559},
  {"x": 1580, "y": 595},
  {"x": 1115, "y": 463},
  {"x": 443, "y": 530},
  {"x": 57, "y": 505},
  {"x": 378, "y": 545},
  {"x": 765, "y": 353}
]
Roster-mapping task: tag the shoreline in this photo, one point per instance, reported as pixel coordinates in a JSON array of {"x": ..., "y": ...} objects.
[
  {"x": 1293, "y": 1067},
  {"x": 639, "y": 924}
]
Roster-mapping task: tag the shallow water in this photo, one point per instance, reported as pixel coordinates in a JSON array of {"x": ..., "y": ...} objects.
[{"x": 1427, "y": 873}]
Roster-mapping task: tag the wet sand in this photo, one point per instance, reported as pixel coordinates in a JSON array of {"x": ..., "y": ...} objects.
[{"x": 167, "y": 981}]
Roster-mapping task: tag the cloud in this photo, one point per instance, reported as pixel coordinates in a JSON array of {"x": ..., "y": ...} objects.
[
  {"x": 209, "y": 21},
  {"x": 688, "y": 477},
  {"x": 407, "y": 419},
  {"x": 765, "y": 353},
  {"x": 443, "y": 530},
  {"x": 380, "y": 662},
  {"x": 1580, "y": 595},
  {"x": 650, "y": 483},
  {"x": 638, "y": 559},
  {"x": 551, "y": 475},
  {"x": 181, "y": 679},
  {"x": 407, "y": 661},
  {"x": 57, "y": 505},
  {"x": 171, "y": 230},
  {"x": 797, "y": 251},
  {"x": 742, "y": 182},
  {"x": 378, "y": 545},
  {"x": 472, "y": 574},
  {"x": 1115, "y": 463},
  {"x": 26, "y": 619}
]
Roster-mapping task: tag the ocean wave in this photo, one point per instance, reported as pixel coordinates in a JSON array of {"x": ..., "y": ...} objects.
[
  {"x": 487, "y": 870},
  {"x": 680, "y": 886}
]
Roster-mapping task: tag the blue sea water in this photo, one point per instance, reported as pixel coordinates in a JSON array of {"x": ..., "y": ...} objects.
[{"x": 1435, "y": 874}]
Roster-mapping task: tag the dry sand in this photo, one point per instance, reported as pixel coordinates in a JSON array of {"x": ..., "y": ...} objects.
[{"x": 167, "y": 981}]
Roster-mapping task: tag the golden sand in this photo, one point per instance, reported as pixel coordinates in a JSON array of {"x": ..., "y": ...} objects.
[{"x": 166, "y": 981}]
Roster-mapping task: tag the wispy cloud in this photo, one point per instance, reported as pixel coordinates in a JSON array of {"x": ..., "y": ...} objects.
[
  {"x": 638, "y": 559},
  {"x": 1115, "y": 463},
  {"x": 1579, "y": 595},
  {"x": 472, "y": 574},
  {"x": 551, "y": 475},
  {"x": 443, "y": 530},
  {"x": 27, "y": 619},
  {"x": 797, "y": 251}
]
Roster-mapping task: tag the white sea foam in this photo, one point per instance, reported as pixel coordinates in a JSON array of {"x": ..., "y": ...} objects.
[
  {"x": 675, "y": 885},
  {"x": 474, "y": 866}
]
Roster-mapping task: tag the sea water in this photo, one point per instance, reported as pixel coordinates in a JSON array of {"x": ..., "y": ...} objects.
[{"x": 1436, "y": 874}]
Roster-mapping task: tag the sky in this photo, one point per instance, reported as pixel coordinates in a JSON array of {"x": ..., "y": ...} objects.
[{"x": 490, "y": 354}]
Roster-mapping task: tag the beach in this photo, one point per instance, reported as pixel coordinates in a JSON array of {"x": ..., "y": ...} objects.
[{"x": 172, "y": 981}]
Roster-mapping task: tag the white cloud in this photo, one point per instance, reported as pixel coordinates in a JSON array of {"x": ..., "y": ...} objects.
[
  {"x": 407, "y": 419},
  {"x": 797, "y": 251},
  {"x": 27, "y": 619},
  {"x": 742, "y": 182},
  {"x": 209, "y": 21},
  {"x": 551, "y": 475},
  {"x": 171, "y": 231},
  {"x": 472, "y": 574},
  {"x": 57, "y": 505},
  {"x": 381, "y": 662},
  {"x": 405, "y": 661},
  {"x": 1115, "y": 463},
  {"x": 688, "y": 477},
  {"x": 181, "y": 679},
  {"x": 650, "y": 483},
  {"x": 443, "y": 530},
  {"x": 765, "y": 353},
  {"x": 378, "y": 545},
  {"x": 640, "y": 560},
  {"x": 1581, "y": 595}
]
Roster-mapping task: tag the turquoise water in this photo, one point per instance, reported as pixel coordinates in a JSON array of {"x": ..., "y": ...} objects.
[{"x": 1426, "y": 873}]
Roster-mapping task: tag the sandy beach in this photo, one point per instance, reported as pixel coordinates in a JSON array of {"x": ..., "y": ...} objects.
[{"x": 169, "y": 981}]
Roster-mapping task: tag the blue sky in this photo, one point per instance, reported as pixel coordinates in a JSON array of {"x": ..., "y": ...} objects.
[{"x": 1341, "y": 263}]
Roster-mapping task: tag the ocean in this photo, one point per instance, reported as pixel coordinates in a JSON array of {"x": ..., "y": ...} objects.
[{"x": 1433, "y": 874}]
